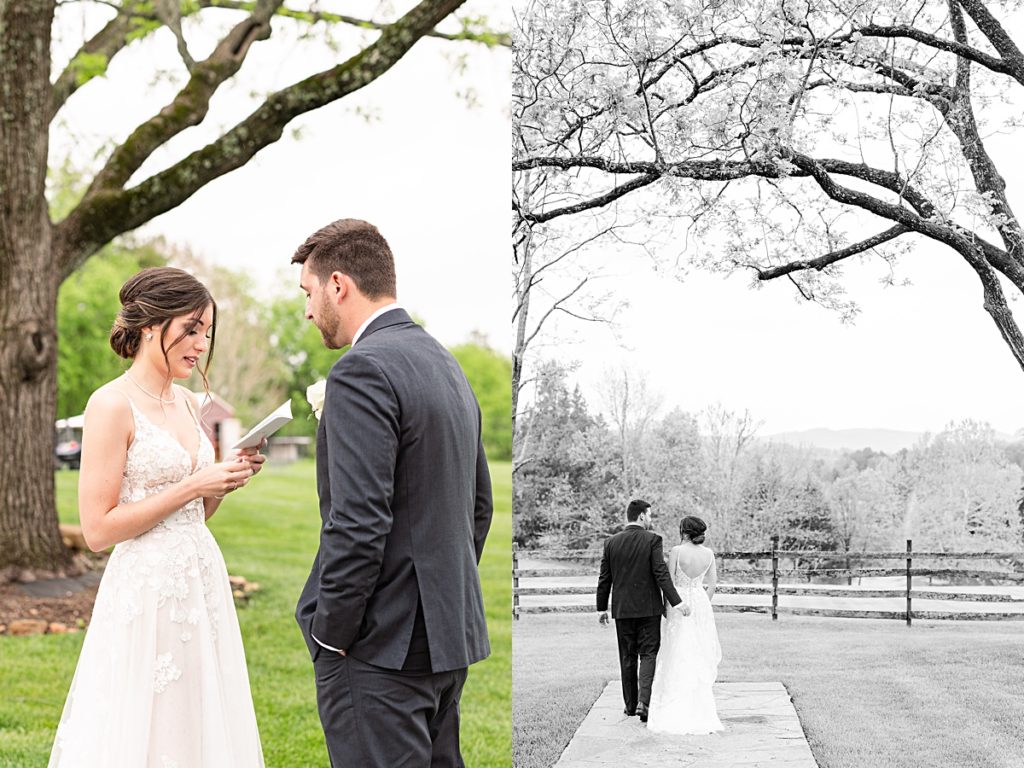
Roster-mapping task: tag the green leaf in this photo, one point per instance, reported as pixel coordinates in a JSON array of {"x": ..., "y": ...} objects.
[{"x": 86, "y": 66}]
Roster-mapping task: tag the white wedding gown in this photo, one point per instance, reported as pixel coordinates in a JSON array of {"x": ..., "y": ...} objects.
[
  {"x": 687, "y": 664},
  {"x": 161, "y": 681}
]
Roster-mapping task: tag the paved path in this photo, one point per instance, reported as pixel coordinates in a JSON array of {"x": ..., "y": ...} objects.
[{"x": 761, "y": 729}]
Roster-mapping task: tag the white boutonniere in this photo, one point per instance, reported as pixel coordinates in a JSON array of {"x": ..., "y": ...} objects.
[{"x": 315, "y": 394}]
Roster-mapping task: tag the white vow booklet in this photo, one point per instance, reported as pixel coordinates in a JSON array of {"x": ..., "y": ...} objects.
[{"x": 267, "y": 427}]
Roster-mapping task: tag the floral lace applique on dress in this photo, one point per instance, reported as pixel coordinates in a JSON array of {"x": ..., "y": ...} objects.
[{"x": 161, "y": 680}]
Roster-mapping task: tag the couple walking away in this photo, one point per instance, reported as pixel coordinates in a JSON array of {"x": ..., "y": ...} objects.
[
  {"x": 392, "y": 613},
  {"x": 678, "y": 651}
]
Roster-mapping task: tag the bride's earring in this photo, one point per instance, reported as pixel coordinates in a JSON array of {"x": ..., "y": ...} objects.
[{"x": 149, "y": 337}]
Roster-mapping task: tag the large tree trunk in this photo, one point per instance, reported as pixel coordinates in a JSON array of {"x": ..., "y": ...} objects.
[{"x": 29, "y": 537}]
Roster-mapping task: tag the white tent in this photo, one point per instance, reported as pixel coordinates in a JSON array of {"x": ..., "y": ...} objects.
[{"x": 74, "y": 422}]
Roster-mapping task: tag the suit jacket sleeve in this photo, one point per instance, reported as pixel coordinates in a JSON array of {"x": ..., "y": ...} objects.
[
  {"x": 661, "y": 574},
  {"x": 484, "y": 509},
  {"x": 362, "y": 429},
  {"x": 604, "y": 581}
]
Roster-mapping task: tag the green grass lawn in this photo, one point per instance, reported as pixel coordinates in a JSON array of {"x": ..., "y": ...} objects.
[
  {"x": 869, "y": 693},
  {"x": 269, "y": 534}
]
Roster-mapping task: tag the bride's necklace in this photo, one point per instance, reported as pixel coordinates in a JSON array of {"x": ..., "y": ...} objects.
[{"x": 174, "y": 395}]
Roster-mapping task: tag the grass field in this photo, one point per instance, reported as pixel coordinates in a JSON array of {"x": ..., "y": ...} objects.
[
  {"x": 869, "y": 693},
  {"x": 268, "y": 534}
]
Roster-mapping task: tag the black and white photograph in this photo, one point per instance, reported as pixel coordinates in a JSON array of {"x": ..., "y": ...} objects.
[{"x": 768, "y": 454}]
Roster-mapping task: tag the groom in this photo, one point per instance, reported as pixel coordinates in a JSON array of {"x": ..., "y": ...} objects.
[
  {"x": 392, "y": 612},
  {"x": 633, "y": 569}
]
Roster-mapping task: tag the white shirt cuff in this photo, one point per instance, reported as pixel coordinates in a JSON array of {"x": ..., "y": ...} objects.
[{"x": 324, "y": 645}]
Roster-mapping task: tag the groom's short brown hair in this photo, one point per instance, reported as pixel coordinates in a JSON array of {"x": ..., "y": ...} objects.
[{"x": 354, "y": 248}]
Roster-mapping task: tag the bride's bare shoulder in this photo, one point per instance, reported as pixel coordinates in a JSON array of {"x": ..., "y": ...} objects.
[{"x": 109, "y": 400}]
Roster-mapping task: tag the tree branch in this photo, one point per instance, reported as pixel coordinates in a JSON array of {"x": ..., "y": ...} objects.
[
  {"x": 132, "y": 22},
  {"x": 828, "y": 259},
  {"x": 597, "y": 202},
  {"x": 468, "y": 33},
  {"x": 94, "y": 56},
  {"x": 192, "y": 102},
  {"x": 106, "y": 213},
  {"x": 950, "y": 46},
  {"x": 997, "y": 36}
]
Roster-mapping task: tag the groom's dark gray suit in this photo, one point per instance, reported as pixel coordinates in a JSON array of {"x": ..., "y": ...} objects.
[{"x": 405, "y": 501}]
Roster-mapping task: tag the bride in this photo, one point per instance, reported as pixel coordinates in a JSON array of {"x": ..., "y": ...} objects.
[
  {"x": 161, "y": 680},
  {"x": 681, "y": 697}
]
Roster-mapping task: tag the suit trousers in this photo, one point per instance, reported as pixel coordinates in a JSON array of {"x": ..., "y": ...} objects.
[
  {"x": 382, "y": 718},
  {"x": 638, "y": 638}
]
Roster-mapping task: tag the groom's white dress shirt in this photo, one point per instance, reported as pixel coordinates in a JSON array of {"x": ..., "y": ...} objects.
[{"x": 363, "y": 327}]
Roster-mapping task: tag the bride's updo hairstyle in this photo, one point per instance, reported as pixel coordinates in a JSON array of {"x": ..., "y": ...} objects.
[
  {"x": 155, "y": 296},
  {"x": 693, "y": 529}
]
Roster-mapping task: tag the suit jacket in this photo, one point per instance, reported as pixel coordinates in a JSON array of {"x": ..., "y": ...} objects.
[
  {"x": 405, "y": 503},
  {"x": 633, "y": 569}
]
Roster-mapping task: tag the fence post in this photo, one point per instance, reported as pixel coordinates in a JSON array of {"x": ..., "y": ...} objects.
[
  {"x": 775, "y": 578},
  {"x": 909, "y": 558},
  {"x": 515, "y": 581}
]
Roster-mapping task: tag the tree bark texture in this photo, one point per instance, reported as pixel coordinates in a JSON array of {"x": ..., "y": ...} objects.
[{"x": 29, "y": 536}]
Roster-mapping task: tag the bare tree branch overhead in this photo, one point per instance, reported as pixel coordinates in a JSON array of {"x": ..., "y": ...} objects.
[{"x": 799, "y": 139}]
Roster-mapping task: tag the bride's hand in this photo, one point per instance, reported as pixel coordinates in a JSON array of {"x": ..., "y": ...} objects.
[
  {"x": 219, "y": 479},
  {"x": 254, "y": 457}
]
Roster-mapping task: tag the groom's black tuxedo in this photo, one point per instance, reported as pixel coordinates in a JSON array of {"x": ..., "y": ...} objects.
[
  {"x": 405, "y": 501},
  {"x": 633, "y": 569}
]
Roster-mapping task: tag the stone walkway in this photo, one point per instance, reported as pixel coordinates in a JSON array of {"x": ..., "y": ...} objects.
[{"x": 761, "y": 729}]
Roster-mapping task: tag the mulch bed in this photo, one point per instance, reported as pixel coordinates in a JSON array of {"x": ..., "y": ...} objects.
[
  {"x": 68, "y": 602},
  {"x": 67, "y": 610},
  {"x": 65, "y": 601}
]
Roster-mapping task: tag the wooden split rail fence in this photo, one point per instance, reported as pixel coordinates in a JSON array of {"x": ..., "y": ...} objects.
[{"x": 586, "y": 563}]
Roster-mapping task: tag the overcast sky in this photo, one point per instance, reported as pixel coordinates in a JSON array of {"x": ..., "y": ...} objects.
[
  {"x": 430, "y": 171},
  {"x": 916, "y": 357}
]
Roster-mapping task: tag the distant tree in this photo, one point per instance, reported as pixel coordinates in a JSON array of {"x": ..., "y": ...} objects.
[
  {"x": 246, "y": 371},
  {"x": 866, "y": 513},
  {"x": 87, "y": 304},
  {"x": 298, "y": 344},
  {"x": 727, "y": 439},
  {"x": 671, "y": 471},
  {"x": 631, "y": 405},
  {"x": 490, "y": 374},
  {"x": 865, "y": 457},
  {"x": 966, "y": 491},
  {"x": 808, "y": 524},
  {"x": 566, "y": 478}
]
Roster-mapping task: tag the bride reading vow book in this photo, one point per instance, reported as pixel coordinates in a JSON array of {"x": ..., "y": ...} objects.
[
  {"x": 161, "y": 680},
  {"x": 681, "y": 697}
]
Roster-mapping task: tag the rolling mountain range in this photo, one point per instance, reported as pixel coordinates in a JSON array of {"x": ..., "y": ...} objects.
[{"x": 885, "y": 440}]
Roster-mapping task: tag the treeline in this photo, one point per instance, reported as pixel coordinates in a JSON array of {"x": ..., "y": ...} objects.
[
  {"x": 266, "y": 351},
  {"x": 960, "y": 489}
]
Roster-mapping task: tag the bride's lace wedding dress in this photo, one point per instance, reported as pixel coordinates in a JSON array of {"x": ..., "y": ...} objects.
[
  {"x": 681, "y": 697},
  {"x": 161, "y": 680}
]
